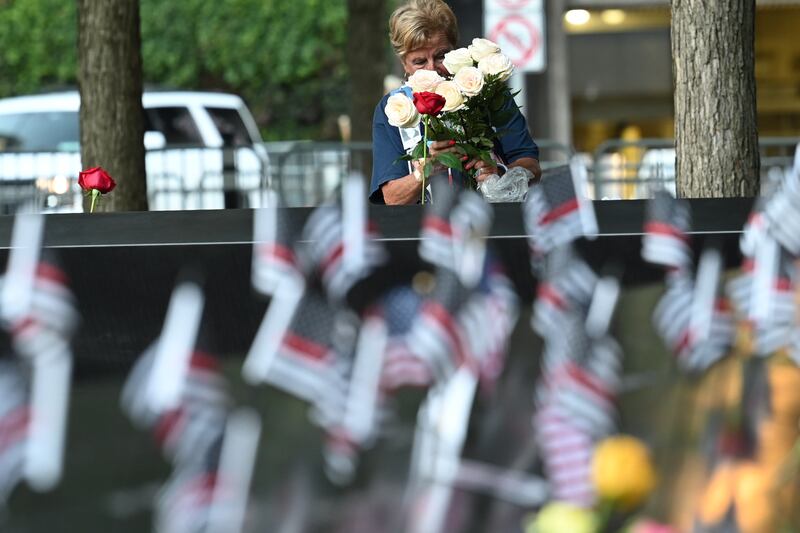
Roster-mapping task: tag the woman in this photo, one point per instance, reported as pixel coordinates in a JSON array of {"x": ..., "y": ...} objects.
[{"x": 422, "y": 32}]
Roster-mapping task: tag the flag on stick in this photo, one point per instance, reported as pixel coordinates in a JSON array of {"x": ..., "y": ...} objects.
[{"x": 556, "y": 211}]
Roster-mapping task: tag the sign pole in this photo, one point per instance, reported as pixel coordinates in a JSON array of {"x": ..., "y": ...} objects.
[
  {"x": 558, "y": 84},
  {"x": 517, "y": 83},
  {"x": 518, "y": 27}
]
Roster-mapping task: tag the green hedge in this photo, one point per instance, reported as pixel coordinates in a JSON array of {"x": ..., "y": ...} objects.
[{"x": 285, "y": 58}]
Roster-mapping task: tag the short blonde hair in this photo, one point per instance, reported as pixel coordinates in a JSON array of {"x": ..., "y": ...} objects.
[{"x": 414, "y": 23}]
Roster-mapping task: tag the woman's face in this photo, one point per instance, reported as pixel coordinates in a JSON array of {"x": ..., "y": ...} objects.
[{"x": 429, "y": 57}]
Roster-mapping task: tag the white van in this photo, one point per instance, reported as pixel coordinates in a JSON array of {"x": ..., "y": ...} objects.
[{"x": 198, "y": 144}]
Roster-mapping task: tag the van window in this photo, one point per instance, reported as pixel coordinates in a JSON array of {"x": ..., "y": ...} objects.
[
  {"x": 176, "y": 123},
  {"x": 45, "y": 131},
  {"x": 230, "y": 125}
]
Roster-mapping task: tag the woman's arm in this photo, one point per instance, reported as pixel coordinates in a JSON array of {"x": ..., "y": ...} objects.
[
  {"x": 408, "y": 189},
  {"x": 531, "y": 164},
  {"x": 519, "y": 148},
  {"x": 402, "y": 191}
]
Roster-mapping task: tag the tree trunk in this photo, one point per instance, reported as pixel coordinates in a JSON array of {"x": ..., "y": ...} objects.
[
  {"x": 715, "y": 98},
  {"x": 367, "y": 28},
  {"x": 111, "y": 115}
]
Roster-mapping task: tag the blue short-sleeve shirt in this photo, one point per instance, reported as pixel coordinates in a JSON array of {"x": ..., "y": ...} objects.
[{"x": 387, "y": 147}]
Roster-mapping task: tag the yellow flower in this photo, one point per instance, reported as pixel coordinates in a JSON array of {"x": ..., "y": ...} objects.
[
  {"x": 622, "y": 471},
  {"x": 561, "y": 517}
]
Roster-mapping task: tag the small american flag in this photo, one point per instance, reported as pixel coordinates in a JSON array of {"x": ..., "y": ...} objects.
[
  {"x": 567, "y": 287},
  {"x": 754, "y": 228},
  {"x": 327, "y": 250},
  {"x": 495, "y": 302},
  {"x": 356, "y": 424},
  {"x": 305, "y": 365},
  {"x": 770, "y": 309},
  {"x": 567, "y": 456},
  {"x": 556, "y": 213},
  {"x": 52, "y": 316},
  {"x": 667, "y": 223},
  {"x": 576, "y": 393},
  {"x": 14, "y": 424},
  {"x": 586, "y": 393},
  {"x": 672, "y": 320},
  {"x": 782, "y": 212},
  {"x": 437, "y": 233},
  {"x": 794, "y": 346},
  {"x": 436, "y": 337},
  {"x": 40, "y": 334},
  {"x": 186, "y": 432},
  {"x": 274, "y": 258},
  {"x": 185, "y": 501},
  {"x": 196, "y": 426},
  {"x": 583, "y": 380},
  {"x": 190, "y": 436},
  {"x": 449, "y": 223},
  {"x": 401, "y": 366}
]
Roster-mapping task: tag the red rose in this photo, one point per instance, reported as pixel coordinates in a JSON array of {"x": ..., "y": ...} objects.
[
  {"x": 96, "y": 178},
  {"x": 429, "y": 103}
]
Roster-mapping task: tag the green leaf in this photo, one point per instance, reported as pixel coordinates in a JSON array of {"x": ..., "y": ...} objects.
[
  {"x": 502, "y": 117},
  {"x": 498, "y": 101},
  {"x": 470, "y": 150},
  {"x": 428, "y": 168},
  {"x": 449, "y": 160},
  {"x": 418, "y": 152}
]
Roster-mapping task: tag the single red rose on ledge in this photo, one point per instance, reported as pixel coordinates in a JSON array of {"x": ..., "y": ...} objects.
[
  {"x": 429, "y": 103},
  {"x": 95, "y": 181}
]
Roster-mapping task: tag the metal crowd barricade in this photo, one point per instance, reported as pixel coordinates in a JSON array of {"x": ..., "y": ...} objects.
[
  {"x": 553, "y": 153},
  {"x": 305, "y": 173},
  {"x": 634, "y": 169}
]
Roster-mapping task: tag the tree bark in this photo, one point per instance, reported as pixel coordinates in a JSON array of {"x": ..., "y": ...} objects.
[
  {"x": 713, "y": 49},
  {"x": 367, "y": 29},
  {"x": 111, "y": 115}
]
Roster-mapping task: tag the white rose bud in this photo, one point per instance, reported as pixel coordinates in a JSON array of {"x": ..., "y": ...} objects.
[
  {"x": 469, "y": 81},
  {"x": 424, "y": 80},
  {"x": 481, "y": 48},
  {"x": 401, "y": 112},
  {"x": 454, "y": 100},
  {"x": 457, "y": 59},
  {"x": 498, "y": 65}
]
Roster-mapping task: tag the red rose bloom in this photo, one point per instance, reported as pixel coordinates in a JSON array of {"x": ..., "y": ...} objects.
[
  {"x": 429, "y": 103},
  {"x": 96, "y": 178}
]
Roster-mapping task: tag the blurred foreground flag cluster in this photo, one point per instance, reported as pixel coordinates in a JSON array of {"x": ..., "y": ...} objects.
[{"x": 350, "y": 325}]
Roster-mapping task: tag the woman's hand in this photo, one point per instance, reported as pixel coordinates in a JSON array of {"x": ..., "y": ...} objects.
[
  {"x": 482, "y": 169},
  {"x": 419, "y": 165},
  {"x": 440, "y": 147},
  {"x": 531, "y": 164}
]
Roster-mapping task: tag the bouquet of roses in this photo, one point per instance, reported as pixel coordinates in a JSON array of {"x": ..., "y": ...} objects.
[{"x": 462, "y": 107}]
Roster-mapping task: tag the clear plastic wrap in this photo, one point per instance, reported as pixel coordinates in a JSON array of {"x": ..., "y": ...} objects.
[{"x": 510, "y": 187}]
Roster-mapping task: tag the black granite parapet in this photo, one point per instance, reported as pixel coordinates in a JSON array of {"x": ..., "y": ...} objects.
[{"x": 123, "y": 266}]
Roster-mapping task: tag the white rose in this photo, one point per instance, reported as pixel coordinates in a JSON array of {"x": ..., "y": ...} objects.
[
  {"x": 454, "y": 100},
  {"x": 401, "y": 112},
  {"x": 469, "y": 81},
  {"x": 481, "y": 48},
  {"x": 496, "y": 64},
  {"x": 457, "y": 59},
  {"x": 424, "y": 80}
]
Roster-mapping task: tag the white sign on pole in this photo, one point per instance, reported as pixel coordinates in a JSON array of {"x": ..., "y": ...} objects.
[{"x": 518, "y": 26}]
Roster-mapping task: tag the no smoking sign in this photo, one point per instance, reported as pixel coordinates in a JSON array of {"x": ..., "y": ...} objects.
[
  {"x": 518, "y": 27},
  {"x": 518, "y": 4}
]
